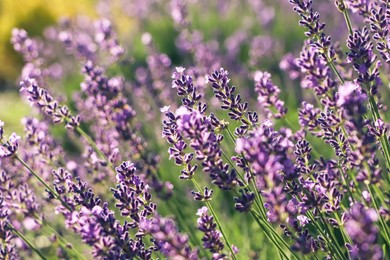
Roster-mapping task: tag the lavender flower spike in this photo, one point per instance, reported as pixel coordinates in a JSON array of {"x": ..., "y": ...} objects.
[
  {"x": 360, "y": 226},
  {"x": 43, "y": 100},
  {"x": 269, "y": 95},
  {"x": 169, "y": 241},
  {"x": 212, "y": 237},
  {"x": 9, "y": 148}
]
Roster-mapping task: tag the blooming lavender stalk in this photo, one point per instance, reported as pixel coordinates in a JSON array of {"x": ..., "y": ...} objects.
[
  {"x": 212, "y": 237},
  {"x": 43, "y": 100},
  {"x": 268, "y": 95},
  {"x": 238, "y": 110},
  {"x": 113, "y": 118},
  {"x": 361, "y": 7},
  {"x": 305, "y": 10},
  {"x": 360, "y": 226},
  {"x": 168, "y": 240},
  {"x": 249, "y": 124},
  {"x": 190, "y": 120},
  {"x": 7, "y": 247},
  {"x": 363, "y": 59},
  {"x": 379, "y": 21}
]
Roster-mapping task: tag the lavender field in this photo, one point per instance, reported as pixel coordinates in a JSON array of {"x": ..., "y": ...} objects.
[{"x": 194, "y": 129}]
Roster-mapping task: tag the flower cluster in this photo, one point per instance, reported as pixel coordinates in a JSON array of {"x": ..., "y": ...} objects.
[
  {"x": 278, "y": 153},
  {"x": 212, "y": 237}
]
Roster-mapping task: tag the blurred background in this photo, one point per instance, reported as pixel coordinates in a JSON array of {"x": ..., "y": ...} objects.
[{"x": 257, "y": 33}]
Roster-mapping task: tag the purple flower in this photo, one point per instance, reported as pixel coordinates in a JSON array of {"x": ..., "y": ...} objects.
[
  {"x": 363, "y": 58},
  {"x": 289, "y": 65},
  {"x": 362, "y": 7},
  {"x": 379, "y": 26},
  {"x": 360, "y": 226},
  {"x": 379, "y": 129},
  {"x": 41, "y": 98},
  {"x": 167, "y": 238},
  {"x": 212, "y": 237},
  {"x": 269, "y": 95},
  {"x": 8, "y": 249},
  {"x": 345, "y": 92},
  {"x": 232, "y": 102},
  {"x": 10, "y": 147}
]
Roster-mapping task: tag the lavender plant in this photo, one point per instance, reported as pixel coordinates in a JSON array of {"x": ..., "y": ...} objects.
[{"x": 205, "y": 149}]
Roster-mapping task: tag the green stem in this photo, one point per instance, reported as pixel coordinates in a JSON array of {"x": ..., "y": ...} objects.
[
  {"x": 348, "y": 21},
  {"x": 94, "y": 146},
  {"x": 60, "y": 237},
  {"x": 231, "y": 135},
  {"x": 333, "y": 67},
  {"x": 346, "y": 18},
  {"x": 43, "y": 182},
  {"x": 27, "y": 241},
  {"x": 259, "y": 199},
  {"x": 343, "y": 231},
  {"x": 334, "y": 241},
  {"x": 345, "y": 181},
  {"x": 269, "y": 228},
  {"x": 319, "y": 228},
  {"x": 269, "y": 236}
]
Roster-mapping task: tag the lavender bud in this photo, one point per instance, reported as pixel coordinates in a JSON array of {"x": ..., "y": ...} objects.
[
  {"x": 244, "y": 203},
  {"x": 10, "y": 147},
  {"x": 206, "y": 196}
]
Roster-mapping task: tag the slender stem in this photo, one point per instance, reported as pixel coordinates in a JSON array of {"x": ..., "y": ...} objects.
[
  {"x": 231, "y": 135},
  {"x": 94, "y": 146},
  {"x": 343, "y": 231},
  {"x": 319, "y": 228},
  {"x": 334, "y": 241},
  {"x": 333, "y": 67},
  {"x": 60, "y": 237},
  {"x": 269, "y": 236},
  {"x": 346, "y": 183},
  {"x": 27, "y": 241},
  {"x": 268, "y": 228},
  {"x": 216, "y": 220},
  {"x": 55, "y": 194},
  {"x": 259, "y": 199},
  {"x": 346, "y": 18},
  {"x": 348, "y": 21}
]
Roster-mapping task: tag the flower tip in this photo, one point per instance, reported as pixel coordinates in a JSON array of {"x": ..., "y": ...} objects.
[
  {"x": 203, "y": 210},
  {"x": 165, "y": 109},
  {"x": 180, "y": 69}
]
